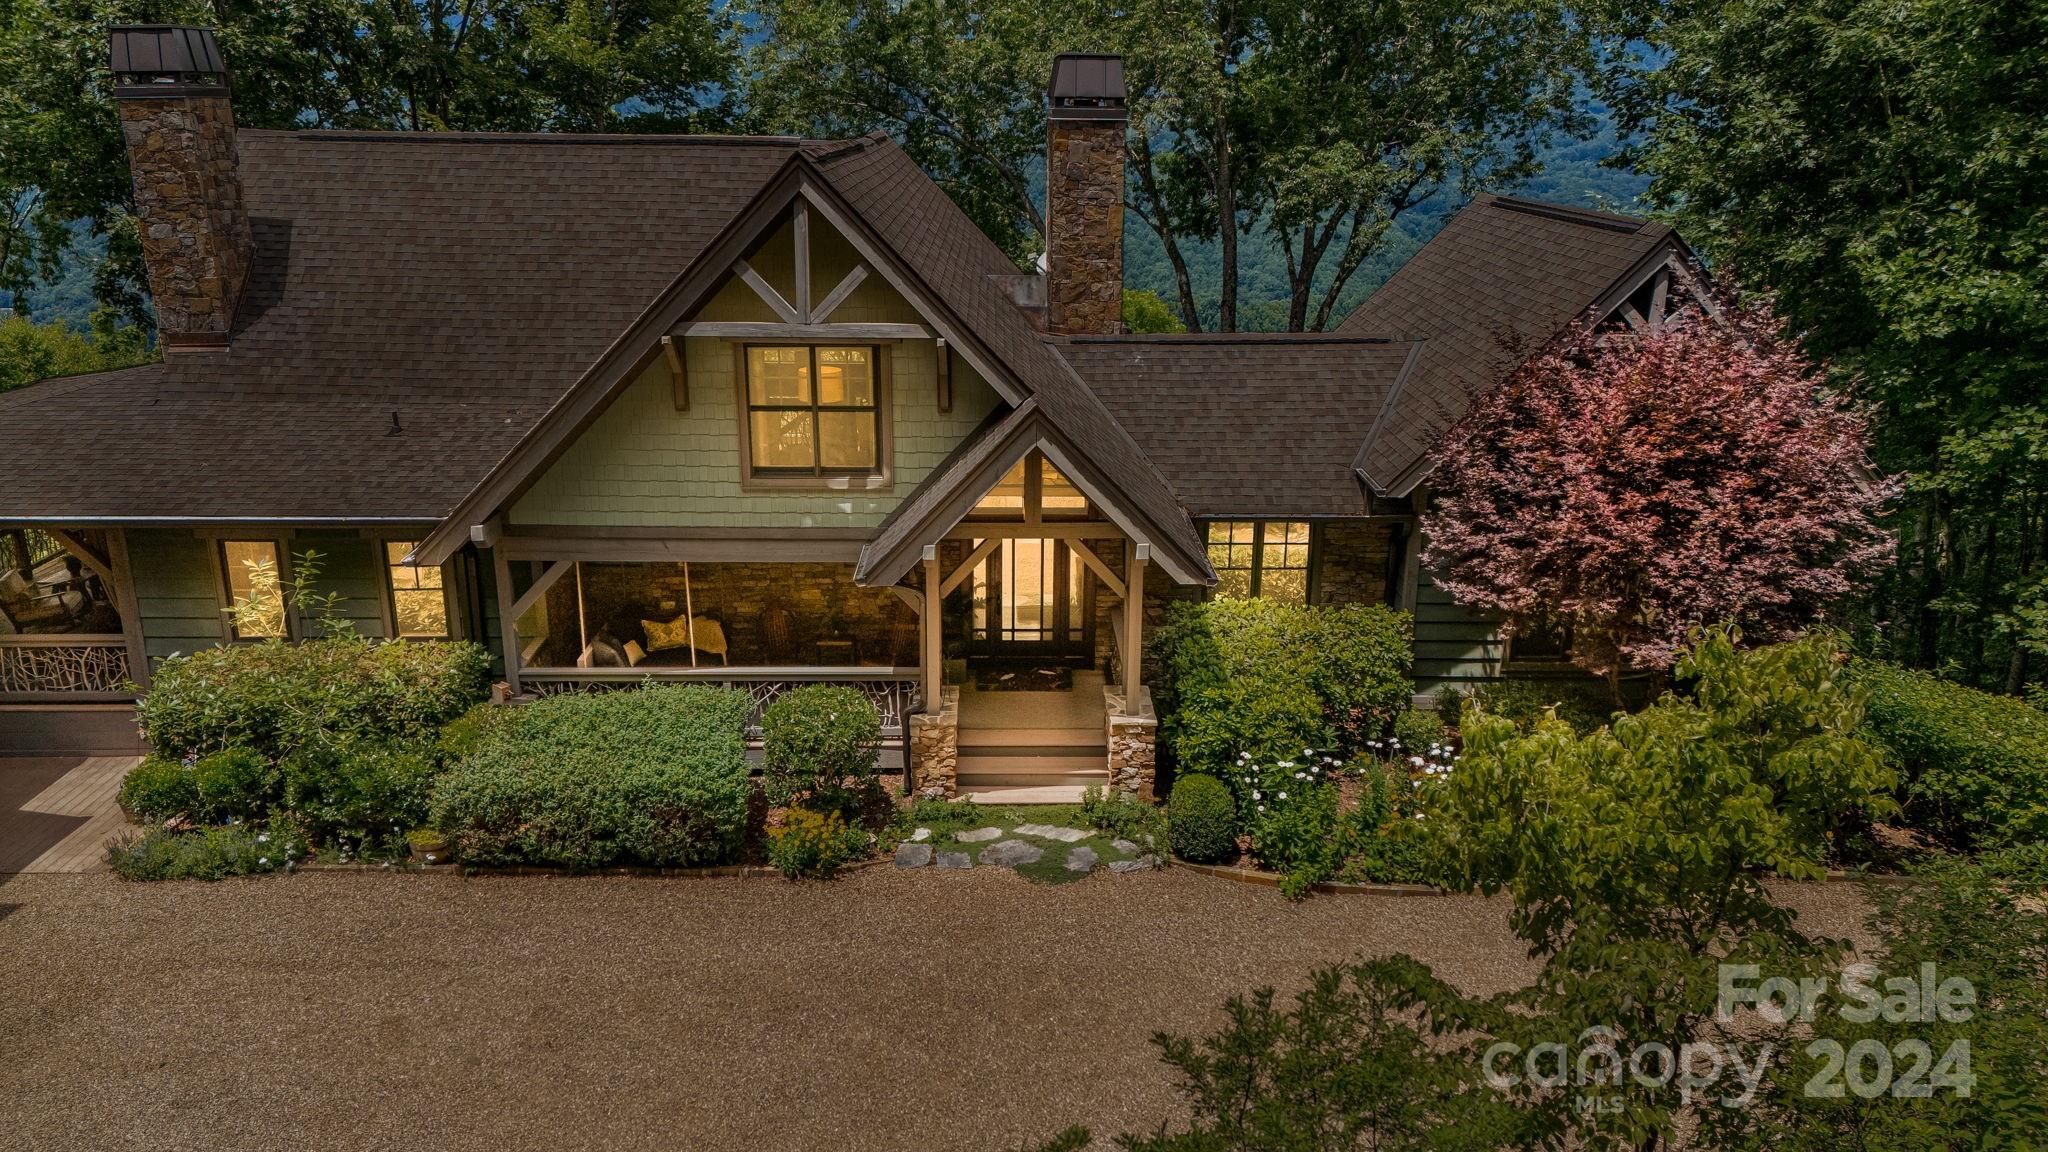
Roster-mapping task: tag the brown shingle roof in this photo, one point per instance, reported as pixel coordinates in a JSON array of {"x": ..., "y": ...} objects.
[
  {"x": 1240, "y": 425},
  {"x": 459, "y": 281},
  {"x": 1503, "y": 272}
]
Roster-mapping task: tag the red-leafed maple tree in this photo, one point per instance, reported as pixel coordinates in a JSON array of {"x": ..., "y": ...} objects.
[{"x": 1635, "y": 487}]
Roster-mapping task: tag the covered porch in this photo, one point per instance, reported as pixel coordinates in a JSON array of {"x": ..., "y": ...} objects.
[{"x": 69, "y": 626}]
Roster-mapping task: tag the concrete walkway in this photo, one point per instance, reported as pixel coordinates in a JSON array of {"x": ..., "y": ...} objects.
[{"x": 56, "y": 815}]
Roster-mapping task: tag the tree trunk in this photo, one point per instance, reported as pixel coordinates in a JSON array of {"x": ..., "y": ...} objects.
[
  {"x": 1156, "y": 219},
  {"x": 1226, "y": 220}
]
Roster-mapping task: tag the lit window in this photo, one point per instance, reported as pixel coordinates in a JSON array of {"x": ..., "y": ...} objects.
[
  {"x": 419, "y": 601},
  {"x": 1033, "y": 489},
  {"x": 255, "y": 590},
  {"x": 813, "y": 412},
  {"x": 1267, "y": 558}
]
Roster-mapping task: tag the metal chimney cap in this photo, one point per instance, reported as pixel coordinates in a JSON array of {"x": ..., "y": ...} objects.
[
  {"x": 1086, "y": 86},
  {"x": 165, "y": 60}
]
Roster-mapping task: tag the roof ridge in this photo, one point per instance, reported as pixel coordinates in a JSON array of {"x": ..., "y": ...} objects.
[{"x": 1592, "y": 217}]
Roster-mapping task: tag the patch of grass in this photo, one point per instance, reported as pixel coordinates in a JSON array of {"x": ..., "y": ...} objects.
[{"x": 948, "y": 819}]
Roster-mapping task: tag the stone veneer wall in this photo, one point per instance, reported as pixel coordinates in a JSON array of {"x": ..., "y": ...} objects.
[
  {"x": 188, "y": 195},
  {"x": 935, "y": 748},
  {"x": 1084, "y": 244},
  {"x": 1133, "y": 743},
  {"x": 1351, "y": 561}
]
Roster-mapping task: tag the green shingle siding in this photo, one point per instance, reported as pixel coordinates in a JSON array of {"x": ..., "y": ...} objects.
[
  {"x": 176, "y": 591},
  {"x": 1453, "y": 645}
]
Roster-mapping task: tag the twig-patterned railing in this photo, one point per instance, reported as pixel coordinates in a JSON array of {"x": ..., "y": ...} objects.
[
  {"x": 59, "y": 667},
  {"x": 893, "y": 691}
]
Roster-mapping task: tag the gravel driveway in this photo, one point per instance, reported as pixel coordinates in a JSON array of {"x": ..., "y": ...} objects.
[{"x": 887, "y": 1010}]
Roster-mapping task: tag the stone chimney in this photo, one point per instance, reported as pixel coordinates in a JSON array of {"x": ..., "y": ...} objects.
[
  {"x": 171, "y": 88},
  {"x": 1085, "y": 121}
]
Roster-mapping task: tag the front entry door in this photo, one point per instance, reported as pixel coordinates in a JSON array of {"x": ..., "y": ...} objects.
[{"x": 1032, "y": 597}]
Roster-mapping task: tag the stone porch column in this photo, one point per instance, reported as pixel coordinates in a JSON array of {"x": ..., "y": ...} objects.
[
  {"x": 1133, "y": 743},
  {"x": 935, "y": 748}
]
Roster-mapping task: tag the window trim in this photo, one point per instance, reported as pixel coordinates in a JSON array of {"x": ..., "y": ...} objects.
[
  {"x": 224, "y": 587},
  {"x": 883, "y": 479},
  {"x": 1258, "y": 568},
  {"x": 1545, "y": 660},
  {"x": 380, "y": 550}
]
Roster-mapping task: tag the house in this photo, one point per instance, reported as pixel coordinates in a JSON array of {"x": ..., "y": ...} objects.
[{"x": 752, "y": 411}]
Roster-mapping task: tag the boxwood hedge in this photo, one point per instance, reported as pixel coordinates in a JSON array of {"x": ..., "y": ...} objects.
[
  {"x": 1974, "y": 765},
  {"x": 653, "y": 777}
]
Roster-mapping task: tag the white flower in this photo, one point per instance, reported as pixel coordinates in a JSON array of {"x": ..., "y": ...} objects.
[
  {"x": 1416, "y": 760},
  {"x": 263, "y": 839},
  {"x": 1283, "y": 796},
  {"x": 1243, "y": 756},
  {"x": 1308, "y": 751},
  {"x": 1255, "y": 794},
  {"x": 1301, "y": 775},
  {"x": 263, "y": 860},
  {"x": 1262, "y": 807}
]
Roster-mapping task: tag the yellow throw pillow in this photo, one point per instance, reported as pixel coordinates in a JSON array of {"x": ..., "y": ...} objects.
[{"x": 674, "y": 634}]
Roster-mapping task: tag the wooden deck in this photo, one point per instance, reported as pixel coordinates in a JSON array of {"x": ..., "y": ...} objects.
[{"x": 70, "y": 819}]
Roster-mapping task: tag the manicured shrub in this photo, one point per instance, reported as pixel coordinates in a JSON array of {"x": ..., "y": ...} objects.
[
  {"x": 1420, "y": 729},
  {"x": 1974, "y": 765},
  {"x": 361, "y": 794},
  {"x": 1269, "y": 679},
  {"x": 655, "y": 777},
  {"x": 467, "y": 732},
  {"x": 235, "y": 784},
  {"x": 814, "y": 845},
  {"x": 1201, "y": 820},
  {"x": 212, "y": 853},
  {"x": 158, "y": 789},
  {"x": 821, "y": 740},
  {"x": 274, "y": 698}
]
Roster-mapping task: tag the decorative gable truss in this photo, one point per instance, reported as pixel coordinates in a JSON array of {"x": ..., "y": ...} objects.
[{"x": 1666, "y": 289}]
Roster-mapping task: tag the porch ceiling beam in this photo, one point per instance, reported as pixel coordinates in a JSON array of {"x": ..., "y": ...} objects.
[
  {"x": 766, "y": 292},
  {"x": 966, "y": 567},
  {"x": 1049, "y": 530},
  {"x": 1101, "y": 570},
  {"x": 678, "y": 376},
  {"x": 729, "y": 550},
  {"x": 761, "y": 330},
  {"x": 909, "y": 596},
  {"x": 524, "y": 604},
  {"x": 838, "y": 295},
  {"x": 91, "y": 559}
]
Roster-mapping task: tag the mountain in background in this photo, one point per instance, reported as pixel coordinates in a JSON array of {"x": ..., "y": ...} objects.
[{"x": 1572, "y": 174}]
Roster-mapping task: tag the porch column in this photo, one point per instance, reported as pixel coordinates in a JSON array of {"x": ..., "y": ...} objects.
[
  {"x": 931, "y": 633},
  {"x": 508, "y": 626},
  {"x": 1136, "y": 556}
]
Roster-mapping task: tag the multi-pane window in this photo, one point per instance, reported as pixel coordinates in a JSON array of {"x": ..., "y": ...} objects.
[
  {"x": 1033, "y": 488},
  {"x": 813, "y": 411},
  {"x": 254, "y": 581},
  {"x": 1266, "y": 558},
  {"x": 419, "y": 601}
]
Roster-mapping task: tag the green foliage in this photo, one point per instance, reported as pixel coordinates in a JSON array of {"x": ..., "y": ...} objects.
[
  {"x": 1295, "y": 833},
  {"x": 1637, "y": 856},
  {"x": 1145, "y": 312},
  {"x": 1377, "y": 1054},
  {"x": 211, "y": 853},
  {"x": 234, "y": 784},
  {"x": 30, "y": 352},
  {"x": 814, "y": 845},
  {"x": 363, "y": 794},
  {"x": 158, "y": 789},
  {"x": 467, "y": 732},
  {"x": 275, "y": 697},
  {"x": 1269, "y": 680},
  {"x": 1123, "y": 816},
  {"x": 1420, "y": 729},
  {"x": 655, "y": 777},
  {"x": 820, "y": 741},
  {"x": 1525, "y": 702},
  {"x": 1904, "y": 245},
  {"x": 943, "y": 817},
  {"x": 1202, "y": 820},
  {"x": 1975, "y": 765}
]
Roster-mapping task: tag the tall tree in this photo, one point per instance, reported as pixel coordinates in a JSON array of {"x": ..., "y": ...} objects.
[
  {"x": 1879, "y": 164},
  {"x": 478, "y": 65}
]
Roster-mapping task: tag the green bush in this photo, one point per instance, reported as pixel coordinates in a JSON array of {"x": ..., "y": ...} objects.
[
  {"x": 212, "y": 853},
  {"x": 235, "y": 784},
  {"x": 815, "y": 845},
  {"x": 1123, "y": 816},
  {"x": 1295, "y": 832},
  {"x": 655, "y": 777},
  {"x": 1974, "y": 765},
  {"x": 158, "y": 789},
  {"x": 365, "y": 794},
  {"x": 467, "y": 732},
  {"x": 1418, "y": 729},
  {"x": 274, "y": 698},
  {"x": 816, "y": 739},
  {"x": 1270, "y": 679},
  {"x": 1524, "y": 702},
  {"x": 1201, "y": 819}
]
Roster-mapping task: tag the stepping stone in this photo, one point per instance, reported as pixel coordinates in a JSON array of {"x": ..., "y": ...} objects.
[
  {"x": 1125, "y": 846},
  {"x": 1121, "y": 866},
  {"x": 955, "y": 860},
  {"x": 1010, "y": 853},
  {"x": 921, "y": 834},
  {"x": 913, "y": 855},
  {"x": 1149, "y": 860},
  {"x": 1081, "y": 860},
  {"x": 978, "y": 835},
  {"x": 1052, "y": 832}
]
